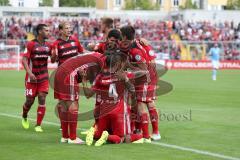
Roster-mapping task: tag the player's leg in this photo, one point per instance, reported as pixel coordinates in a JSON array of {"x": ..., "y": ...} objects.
[
  {"x": 42, "y": 90},
  {"x": 136, "y": 122},
  {"x": 117, "y": 127},
  {"x": 136, "y": 138},
  {"x": 30, "y": 92},
  {"x": 215, "y": 65},
  {"x": 154, "y": 118},
  {"x": 214, "y": 74},
  {"x": 26, "y": 107},
  {"x": 142, "y": 109},
  {"x": 40, "y": 110},
  {"x": 72, "y": 121},
  {"x": 63, "y": 113},
  {"x": 101, "y": 133}
]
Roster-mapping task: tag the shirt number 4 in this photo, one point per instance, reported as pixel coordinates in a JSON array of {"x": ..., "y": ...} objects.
[{"x": 113, "y": 91}]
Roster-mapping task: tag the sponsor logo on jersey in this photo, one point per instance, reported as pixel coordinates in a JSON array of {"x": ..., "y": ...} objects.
[
  {"x": 41, "y": 56},
  {"x": 70, "y": 52}
]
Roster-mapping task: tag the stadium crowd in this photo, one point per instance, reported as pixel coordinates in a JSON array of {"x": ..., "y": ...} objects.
[{"x": 14, "y": 31}]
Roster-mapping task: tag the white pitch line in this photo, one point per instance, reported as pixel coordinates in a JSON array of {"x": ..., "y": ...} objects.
[
  {"x": 195, "y": 151},
  {"x": 211, "y": 154}
]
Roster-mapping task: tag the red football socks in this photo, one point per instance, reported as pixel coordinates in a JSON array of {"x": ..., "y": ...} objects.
[
  {"x": 64, "y": 121},
  {"x": 40, "y": 114},
  {"x": 144, "y": 123},
  {"x": 73, "y": 117},
  {"x": 25, "y": 111},
  {"x": 154, "y": 120}
]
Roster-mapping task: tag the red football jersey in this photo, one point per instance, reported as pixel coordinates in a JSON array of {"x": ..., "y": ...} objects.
[
  {"x": 37, "y": 55},
  {"x": 109, "y": 92},
  {"x": 67, "y": 49},
  {"x": 150, "y": 55},
  {"x": 101, "y": 47},
  {"x": 145, "y": 86}
]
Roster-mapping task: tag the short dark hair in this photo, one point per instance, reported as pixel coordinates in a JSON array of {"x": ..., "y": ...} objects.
[
  {"x": 114, "y": 33},
  {"x": 128, "y": 31},
  {"x": 40, "y": 27}
]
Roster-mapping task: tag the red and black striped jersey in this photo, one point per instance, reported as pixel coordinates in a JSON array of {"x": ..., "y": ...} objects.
[
  {"x": 67, "y": 49},
  {"x": 37, "y": 55}
]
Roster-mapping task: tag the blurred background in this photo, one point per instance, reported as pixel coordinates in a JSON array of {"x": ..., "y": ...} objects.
[{"x": 177, "y": 29}]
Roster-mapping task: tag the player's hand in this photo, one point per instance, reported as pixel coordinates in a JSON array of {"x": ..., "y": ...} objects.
[
  {"x": 143, "y": 42},
  {"x": 83, "y": 74},
  {"x": 54, "y": 52},
  {"x": 32, "y": 76},
  {"x": 91, "y": 46}
]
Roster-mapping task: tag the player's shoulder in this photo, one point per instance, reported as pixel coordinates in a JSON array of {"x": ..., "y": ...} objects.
[
  {"x": 32, "y": 42},
  {"x": 136, "y": 54},
  {"x": 74, "y": 38},
  {"x": 56, "y": 42},
  {"x": 49, "y": 44}
]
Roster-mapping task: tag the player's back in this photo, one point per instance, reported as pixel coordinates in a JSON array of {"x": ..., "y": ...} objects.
[{"x": 109, "y": 93}]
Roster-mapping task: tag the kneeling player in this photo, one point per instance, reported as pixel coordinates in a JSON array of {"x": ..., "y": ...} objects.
[{"x": 111, "y": 110}]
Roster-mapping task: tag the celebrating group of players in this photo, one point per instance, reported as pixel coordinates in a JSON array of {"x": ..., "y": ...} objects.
[{"x": 124, "y": 80}]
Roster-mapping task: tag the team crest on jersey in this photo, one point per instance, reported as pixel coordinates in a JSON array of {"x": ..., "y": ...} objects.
[
  {"x": 151, "y": 53},
  {"x": 138, "y": 57}
]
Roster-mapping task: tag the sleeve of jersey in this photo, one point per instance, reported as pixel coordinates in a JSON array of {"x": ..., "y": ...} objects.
[
  {"x": 28, "y": 50},
  {"x": 137, "y": 56},
  {"x": 150, "y": 52}
]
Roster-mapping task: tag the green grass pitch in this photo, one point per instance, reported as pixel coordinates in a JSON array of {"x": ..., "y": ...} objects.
[{"x": 213, "y": 125}]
